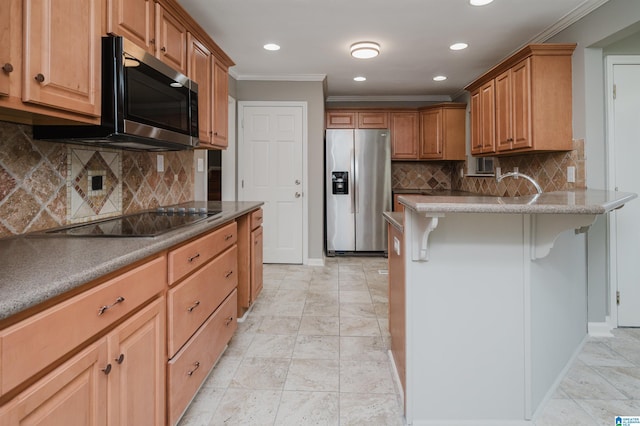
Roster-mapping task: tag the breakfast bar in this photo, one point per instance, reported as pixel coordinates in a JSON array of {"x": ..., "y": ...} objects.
[{"x": 495, "y": 301}]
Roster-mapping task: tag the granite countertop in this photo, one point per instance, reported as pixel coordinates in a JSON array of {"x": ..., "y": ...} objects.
[
  {"x": 586, "y": 201},
  {"x": 432, "y": 192},
  {"x": 396, "y": 219},
  {"x": 35, "y": 268}
]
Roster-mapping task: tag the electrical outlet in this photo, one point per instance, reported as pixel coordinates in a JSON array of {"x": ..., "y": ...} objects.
[
  {"x": 571, "y": 174},
  {"x": 461, "y": 172},
  {"x": 498, "y": 172},
  {"x": 200, "y": 165},
  {"x": 516, "y": 170},
  {"x": 160, "y": 163}
]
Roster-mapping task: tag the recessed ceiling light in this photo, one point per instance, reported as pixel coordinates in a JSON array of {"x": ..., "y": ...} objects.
[
  {"x": 439, "y": 78},
  {"x": 365, "y": 50},
  {"x": 271, "y": 46},
  {"x": 458, "y": 46},
  {"x": 360, "y": 78},
  {"x": 480, "y": 2}
]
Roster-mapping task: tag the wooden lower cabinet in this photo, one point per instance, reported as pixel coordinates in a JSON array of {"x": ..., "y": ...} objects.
[
  {"x": 397, "y": 207},
  {"x": 117, "y": 380},
  {"x": 188, "y": 369},
  {"x": 256, "y": 263},
  {"x": 397, "y": 309},
  {"x": 250, "y": 259}
]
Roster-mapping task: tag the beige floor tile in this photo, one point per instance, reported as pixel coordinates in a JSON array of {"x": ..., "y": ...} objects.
[
  {"x": 261, "y": 373},
  {"x": 223, "y": 372},
  {"x": 271, "y": 346},
  {"x": 358, "y": 326},
  {"x": 279, "y": 325},
  {"x": 367, "y": 409},
  {"x": 313, "y": 375},
  {"x": 203, "y": 407},
  {"x": 317, "y": 347},
  {"x": 606, "y": 411},
  {"x": 363, "y": 348},
  {"x": 360, "y": 310},
  {"x": 287, "y": 309},
  {"x": 322, "y": 297},
  {"x": 308, "y": 408},
  {"x": 316, "y": 309},
  {"x": 564, "y": 412},
  {"x": 348, "y": 296},
  {"x": 319, "y": 326},
  {"x": 323, "y": 284},
  {"x": 365, "y": 377},
  {"x": 242, "y": 407},
  {"x": 599, "y": 354},
  {"x": 239, "y": 344},
  {"x": 625, "y": 379},
  {"x": 582, "y": 382}
]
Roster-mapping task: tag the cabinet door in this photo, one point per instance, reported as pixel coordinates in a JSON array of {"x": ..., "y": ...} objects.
[
  {"x": 341, "y": 120},
  {"x": 220, "y": 105},
  {"x": 431, "y": 134},
  {"x": 397, "y": 304},
  {"x": 488, "y": 117},
  {"x": 256, "y": 263},
  {"x": 134, "y": 20},
  {"x": 373, "y": 120},
  {"x": 7, "y": 34},
  {"x": 171, "y": 36},
  {"x": 397, "y": 207},
  {"x": 137, "y": 379},
  {"x": 521, "y": 105},
  {"x": 476, "y": 122},
  {"x": 74, "y": 394},
  {"x": 199, "y": 70},
  {"x": 504, "y": 136},
  {"x": 404, "y": 135},
  {"x": 62, "y": 54}
]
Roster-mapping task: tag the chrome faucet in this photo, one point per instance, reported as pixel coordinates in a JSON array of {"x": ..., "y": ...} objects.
[{"x": 516, "y": 174}]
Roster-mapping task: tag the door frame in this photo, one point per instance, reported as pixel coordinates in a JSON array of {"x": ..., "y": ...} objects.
[
  {"x": 610, "y": 62},
  {"x": 305, "y": 177}
]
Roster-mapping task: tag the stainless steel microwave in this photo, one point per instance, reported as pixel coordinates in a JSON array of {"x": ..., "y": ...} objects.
[{"x": 146, "y": 105}]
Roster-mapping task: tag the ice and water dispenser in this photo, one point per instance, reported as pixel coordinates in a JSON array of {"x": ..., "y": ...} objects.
[{"x": 340, "y": 183}]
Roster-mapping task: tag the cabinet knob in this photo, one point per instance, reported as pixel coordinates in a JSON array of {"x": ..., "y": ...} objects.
[
  {"x": 215, "y": 133},
  {"x": 107, "y": 369},
  {"x": 120, "y": 359},
  {"x": 7, "y": 68},
  {"x": 39, "y": 78},
  {"x": 152, "y": 41},
  {"x": 163, "y": 49}
]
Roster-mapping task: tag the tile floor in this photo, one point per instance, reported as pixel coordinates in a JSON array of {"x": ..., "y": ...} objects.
[{"x": 313, "y": 351}]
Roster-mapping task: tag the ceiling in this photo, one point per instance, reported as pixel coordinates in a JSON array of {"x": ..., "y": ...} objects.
[{"x": 414, "y": 35}]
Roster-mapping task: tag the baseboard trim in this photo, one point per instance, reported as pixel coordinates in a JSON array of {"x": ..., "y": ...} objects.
[
  {"x": 315, "y": 261},
  {"x": 601, "y": 329}
]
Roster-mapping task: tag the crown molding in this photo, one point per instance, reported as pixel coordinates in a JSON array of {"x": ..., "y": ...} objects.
[
  {"x": 567, "y": 20},
  {"x": 284, "y": 77},
  {"x": 390, "y": 98}
]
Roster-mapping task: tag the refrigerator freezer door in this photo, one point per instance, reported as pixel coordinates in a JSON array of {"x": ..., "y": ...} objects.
[
  {"x": 372, "y": 188},
  {"x": 339, "y": 151}
]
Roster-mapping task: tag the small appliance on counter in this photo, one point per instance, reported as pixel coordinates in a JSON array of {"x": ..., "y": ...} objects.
[{"x": 358, "y": 190}]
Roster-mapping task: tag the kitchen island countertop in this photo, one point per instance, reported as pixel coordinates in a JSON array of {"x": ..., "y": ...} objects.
[{"x": 35, "y": 268}]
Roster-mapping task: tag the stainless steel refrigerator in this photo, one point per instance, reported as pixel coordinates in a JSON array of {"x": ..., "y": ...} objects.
[{"x": 358, "y": 190}]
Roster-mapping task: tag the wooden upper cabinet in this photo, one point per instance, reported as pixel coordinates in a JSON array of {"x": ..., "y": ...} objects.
[
  {"x": 220, "y": 104},
  {"x": 200, "y": 71},
  {"x": 61, "y": 41},
  {"x": 404, "y": 135},
  {"x": 134, "y": 20},
  {"x": 7, "y": 33},
  {"x": 171, "y": 40},
  {"x": 533, "y": 102},
  {"x": 483, "y": 120},
  {"x": 341, "y": 119},
  {"x": 442, "y": 132},
  {"x": 373, "y": 120}
]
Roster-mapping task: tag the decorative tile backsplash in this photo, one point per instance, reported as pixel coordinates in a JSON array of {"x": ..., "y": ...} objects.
[
  {"x": 44, "y": 185},
  {"x": 421, "y": 175}
]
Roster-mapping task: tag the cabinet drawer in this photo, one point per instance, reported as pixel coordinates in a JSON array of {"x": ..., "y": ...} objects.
[
  {"x": 31, "y": 345},
  {"x": 256, "y": 218},
  {"x": 192, "y": 255},
  {"x": 194, "y": 299},
  {"x": 193, "y": 363}
]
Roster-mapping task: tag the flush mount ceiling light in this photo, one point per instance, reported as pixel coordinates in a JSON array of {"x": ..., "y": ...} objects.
[
  {"x": 271, "y": 46},
  {"x": 439, "y": 78},
  {"x": 479, "y": 2},
  {"x": 365, "y": 50},
  {"x": 360, "y": 78},
  {"x": 458, "y": 46}
]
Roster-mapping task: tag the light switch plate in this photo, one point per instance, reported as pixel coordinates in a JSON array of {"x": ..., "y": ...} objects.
[
  {"x": 160, "y": 163},
  {"x": 571, "y": 174}
]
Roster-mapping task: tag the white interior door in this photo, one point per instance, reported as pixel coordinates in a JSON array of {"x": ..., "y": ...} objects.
[
  {"x": 625, "y": 176},
  {"x": 271, "y": 170}
]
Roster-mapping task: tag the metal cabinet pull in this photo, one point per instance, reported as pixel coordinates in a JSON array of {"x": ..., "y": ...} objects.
[
  {"x": 107, "y": 369},
  {"x": 192, "y": 258},
  {"x": 228, "y": 237},
  {"x": 192, "y": 307},
  {"x": 163, "y": 49},
  {"x": 152, "y": 41},
  {"x": 104, "y": 308},
  {"x": 228, "y": 321},
  {"x": 7, "y": 68},
  {"x": 120, "y": 359},
  {"x": 39, "y": 78},
  {"x": 228, "y": 274},
  {"x": 196, "y": 366}
]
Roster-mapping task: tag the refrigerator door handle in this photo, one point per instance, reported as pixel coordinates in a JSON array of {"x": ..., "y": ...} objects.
[{"x": 352, "y": 182}]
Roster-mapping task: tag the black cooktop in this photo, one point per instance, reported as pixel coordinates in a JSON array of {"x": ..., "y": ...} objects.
[{"x": 145, "y": 224}]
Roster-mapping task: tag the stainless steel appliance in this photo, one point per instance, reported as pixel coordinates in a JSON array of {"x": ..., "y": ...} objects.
[
  {"x": 146, "y": 105},
  {"x": 358, "y": 190}
]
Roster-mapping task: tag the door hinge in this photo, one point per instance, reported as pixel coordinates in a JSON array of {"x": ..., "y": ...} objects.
[
  {"x": 614, "y": 92},
  {"x": 242, "y": 183},
  {"x": 617, "y": 298}
]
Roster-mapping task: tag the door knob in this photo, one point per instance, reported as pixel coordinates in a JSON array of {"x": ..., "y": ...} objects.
[
  {"x": 297, "y": 182},
  {"x": 298, "y": 195}
]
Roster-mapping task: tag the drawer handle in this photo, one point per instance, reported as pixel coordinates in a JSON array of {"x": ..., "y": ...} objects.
[
  {"x": 228, "y": 274},
  {"x": 107, "y": 369},
  {"x": 192, "y": 307},
  {"x": 228, "y": 321},
  {"x": 120, "y": 359},
  {"x": 192, "y": 258},
  {"x": 228, "y": 237},
  {"x": 196, "y": 366},
  {"x": 105, "y": 308},
  {"x": 163, "y": 49}
]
